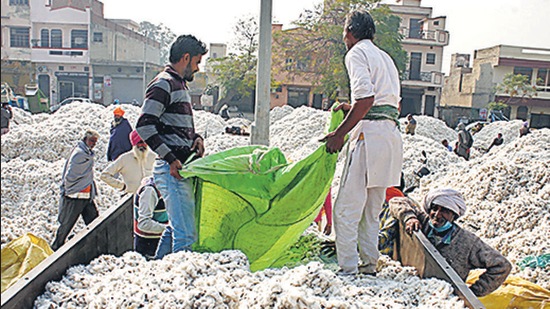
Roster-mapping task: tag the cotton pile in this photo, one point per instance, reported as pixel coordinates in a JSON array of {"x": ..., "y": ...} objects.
[{"x": 506, "y": 191}]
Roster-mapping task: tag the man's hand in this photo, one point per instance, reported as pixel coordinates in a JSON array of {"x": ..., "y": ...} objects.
[
  {"x": 343, "y": 106},
  {"x": 334, "y": 142},
  {"x": 412, "y": 225},
  {"x": 328, "y": 230},
  {"x": 175, "y": 167},
  {"x": 198, "y": 146}
]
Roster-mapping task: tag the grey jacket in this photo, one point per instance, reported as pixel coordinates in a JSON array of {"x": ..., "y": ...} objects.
[
  {"x": 78, "y": 172},
  {"x": 465, "y": 252}
]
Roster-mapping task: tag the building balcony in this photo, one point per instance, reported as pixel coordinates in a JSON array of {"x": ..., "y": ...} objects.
[
  {"x": 425, "y": 37},
  {"x": 424, "y": 79},
  {"x": 60, "y": 55}
]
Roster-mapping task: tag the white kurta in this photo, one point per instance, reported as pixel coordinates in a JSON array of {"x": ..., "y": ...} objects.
[{"x": 374, "y": 159}]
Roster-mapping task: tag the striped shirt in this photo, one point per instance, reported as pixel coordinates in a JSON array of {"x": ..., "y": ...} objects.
[{"x": 166, "y": 120}]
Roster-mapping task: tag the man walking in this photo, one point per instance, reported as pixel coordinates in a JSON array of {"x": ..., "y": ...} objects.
[
  {"x": 375, "y": 151},
  {"x": 166, "y": 125},
  {"x": 78, "y": 188},
  {"x": 119, "y": 141}
]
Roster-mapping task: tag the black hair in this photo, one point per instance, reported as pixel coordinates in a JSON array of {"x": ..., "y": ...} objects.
[
  {"x": 186, "y": 44},
  {"x": 360, "y": 24}
]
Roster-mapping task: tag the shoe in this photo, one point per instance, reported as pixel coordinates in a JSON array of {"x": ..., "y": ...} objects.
[
  {"x": 343, "y": 273},
  {"x": 369, "y": 270}
]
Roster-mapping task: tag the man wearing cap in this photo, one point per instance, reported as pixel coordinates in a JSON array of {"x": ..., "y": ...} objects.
[
  {"x": 132, "y": 166},
  {"x": 119, "y": 142},
  {"x": 462, "y": 249}
]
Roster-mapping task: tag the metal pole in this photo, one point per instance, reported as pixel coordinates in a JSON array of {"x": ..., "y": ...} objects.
[
  {"x": 145, "y": 64},
  {"x": 260, "y": 128}
]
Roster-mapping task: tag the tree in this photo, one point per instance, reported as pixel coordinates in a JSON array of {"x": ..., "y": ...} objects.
[
  {"x": 317, "y": 49},
  {"x": 161, "y": 34},
  {"x": 236, "y": 73},
  {"x": 518, "y": 88}
]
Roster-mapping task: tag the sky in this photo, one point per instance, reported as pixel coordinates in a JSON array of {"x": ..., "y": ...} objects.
[{"x": 472, "y": 24}]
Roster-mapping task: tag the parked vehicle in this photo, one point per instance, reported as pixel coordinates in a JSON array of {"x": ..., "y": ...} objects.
[{"x": 55, "y": 107}]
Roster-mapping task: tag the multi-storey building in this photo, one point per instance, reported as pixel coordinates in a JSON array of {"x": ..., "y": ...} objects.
[
  {"x": 424, "y": 38},
  {"x": 470, "y": 89},
  {"x": 74, "y": 51}
]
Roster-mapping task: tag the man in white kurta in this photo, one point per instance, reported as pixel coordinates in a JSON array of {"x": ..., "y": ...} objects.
[{"x": 375, "y": 154}]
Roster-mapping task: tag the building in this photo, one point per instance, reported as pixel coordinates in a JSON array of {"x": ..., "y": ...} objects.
[
  {"x": 73, "y": 51},
  {"x": 424, "y": 38},
  {"x": 468, "y": 90}
]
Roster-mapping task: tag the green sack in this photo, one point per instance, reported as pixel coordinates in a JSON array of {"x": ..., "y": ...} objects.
[{"x": 252, "y": 199}]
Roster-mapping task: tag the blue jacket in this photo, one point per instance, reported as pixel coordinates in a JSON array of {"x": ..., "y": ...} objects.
[{"x": 119, "y": 142}]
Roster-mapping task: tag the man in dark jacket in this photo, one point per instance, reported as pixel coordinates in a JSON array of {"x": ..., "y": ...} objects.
[
  {"x": 462, "y": 249},
  {"x": 78, "y": 188},
  {"x": 119, "y": 142},
  {"x": 7, "y": 114},
  {"x": 496, "y": 142}
]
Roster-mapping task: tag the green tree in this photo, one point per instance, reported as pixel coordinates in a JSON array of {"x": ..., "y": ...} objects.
[
  {"x": 161, "y": 34},
  {"x": 318, "y": 43},
  {"x": 518, "y": 87},
  {"x": 236, "y": 73}
]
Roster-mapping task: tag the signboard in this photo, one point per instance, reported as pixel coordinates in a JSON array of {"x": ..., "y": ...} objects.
[
  {"x": 483, "y": 113},
  {"x": 107, "y": 81}
]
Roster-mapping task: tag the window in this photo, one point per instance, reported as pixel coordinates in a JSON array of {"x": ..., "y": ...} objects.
[
  {"x": 414, "y": 28},
  {"x": 524, "y": 71},
  {"x": 19, "y": 37},
  {"x": 44, "y": 38},
  {"x": 430, "y": 58},
  {"x": 98, "y": 37},
  {"x": 56, "y": 37},
  {"x": 436, "y": 22},
  {"x": 19, "y": 2},
  {"x": 288, "y": 64},
  {"x": 79, "y": 38},
  {"x": 543, "y": 80}
]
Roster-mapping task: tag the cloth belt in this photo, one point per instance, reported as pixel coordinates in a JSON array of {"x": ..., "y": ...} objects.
[{"x": 383, "y": 112}]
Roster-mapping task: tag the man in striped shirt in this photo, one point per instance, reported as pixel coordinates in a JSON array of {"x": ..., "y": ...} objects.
[{"x": 166, "y": 125}]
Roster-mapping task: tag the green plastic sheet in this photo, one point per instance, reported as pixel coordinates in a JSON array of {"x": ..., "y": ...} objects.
[{"x": 252, "y": 199}]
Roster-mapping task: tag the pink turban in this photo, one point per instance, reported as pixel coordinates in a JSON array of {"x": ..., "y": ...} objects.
[{"x": 134, "y": 138}]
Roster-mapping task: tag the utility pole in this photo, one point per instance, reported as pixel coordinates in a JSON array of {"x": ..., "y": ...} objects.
[
  {"x": 145, "y": 63},
  {"x": 260, "y": 127}
]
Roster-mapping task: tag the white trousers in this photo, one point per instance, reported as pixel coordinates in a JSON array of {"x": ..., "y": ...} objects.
[{"x": 356, "y": 214}]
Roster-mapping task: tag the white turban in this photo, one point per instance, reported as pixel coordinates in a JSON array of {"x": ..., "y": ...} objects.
[{"x": 447, "y": 198}]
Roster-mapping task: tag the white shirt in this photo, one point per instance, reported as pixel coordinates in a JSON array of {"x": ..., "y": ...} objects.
[
  {"x": 131, "y": 168},
  {"x": 372, "y": 73}
]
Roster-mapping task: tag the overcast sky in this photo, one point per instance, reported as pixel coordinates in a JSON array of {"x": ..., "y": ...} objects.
[{"x": 472, "y": 24}]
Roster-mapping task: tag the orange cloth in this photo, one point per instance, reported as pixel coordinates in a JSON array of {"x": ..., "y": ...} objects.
[
  {"x": 118, "y": 111},
  {"x": 392, "y": 192},
  {"x": 88, "y": 189}
]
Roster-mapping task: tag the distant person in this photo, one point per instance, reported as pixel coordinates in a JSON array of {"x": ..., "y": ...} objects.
[
  {"x": 236, "y": 131},
  {"x": 7, "y": 115},
  {"x": 496, "y": 142},
  {"x": 119, "y": 141},
  {"x": 477, "y": 128},
  {"x": 327, "y": 211},
  {"x": 166, "y": 125},
  {"x": 78, "y": 188},
  {"x": 462, "y": 249},
  {"x": 524, "y": 130},
  {"x": 411, "y": 125},
  {"x": 446, "y": 144},
  {"x": 150, "y": 218},
  {"x": 465, "y": 142},
  {"x": 372, "y": 119},
  {"x": 132, "y": 166},
  {"x": 224, "y": 112}
]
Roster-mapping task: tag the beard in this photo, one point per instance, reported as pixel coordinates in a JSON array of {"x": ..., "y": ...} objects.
[
  {"x": 140, "y": 152},
  {"x": 188, "y": 74}
]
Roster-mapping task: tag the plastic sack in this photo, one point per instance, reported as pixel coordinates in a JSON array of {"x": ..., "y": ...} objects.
[
  {"x": 252, "y": 199},
  {"x": 532, "y": 261},
  {"x": 20, "y": 256},
  {"x": 515, "y": 292}
]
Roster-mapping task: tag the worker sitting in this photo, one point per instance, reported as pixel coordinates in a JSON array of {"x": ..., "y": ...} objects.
[{"x": 462, "y": 249}]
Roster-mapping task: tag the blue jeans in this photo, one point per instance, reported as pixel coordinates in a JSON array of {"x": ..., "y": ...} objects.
[{"x": 179, "y": 198}]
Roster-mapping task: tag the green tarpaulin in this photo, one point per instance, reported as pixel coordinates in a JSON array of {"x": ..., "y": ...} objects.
[{"x": 252, "y": 199}]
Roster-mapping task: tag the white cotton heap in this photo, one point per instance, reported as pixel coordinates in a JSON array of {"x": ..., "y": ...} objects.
[{"x": 506, "y": 191}]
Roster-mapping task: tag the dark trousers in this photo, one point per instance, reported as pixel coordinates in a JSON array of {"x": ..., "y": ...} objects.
[
  {"x": 146, "y": 246},
  {"x": 69, "y": 210}
]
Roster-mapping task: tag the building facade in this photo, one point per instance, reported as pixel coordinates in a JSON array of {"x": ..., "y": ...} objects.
[
  {"x": 424, "y": 38},
  {"x": 471, "y": 89},
  {"x": 74, "y": 51}
]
